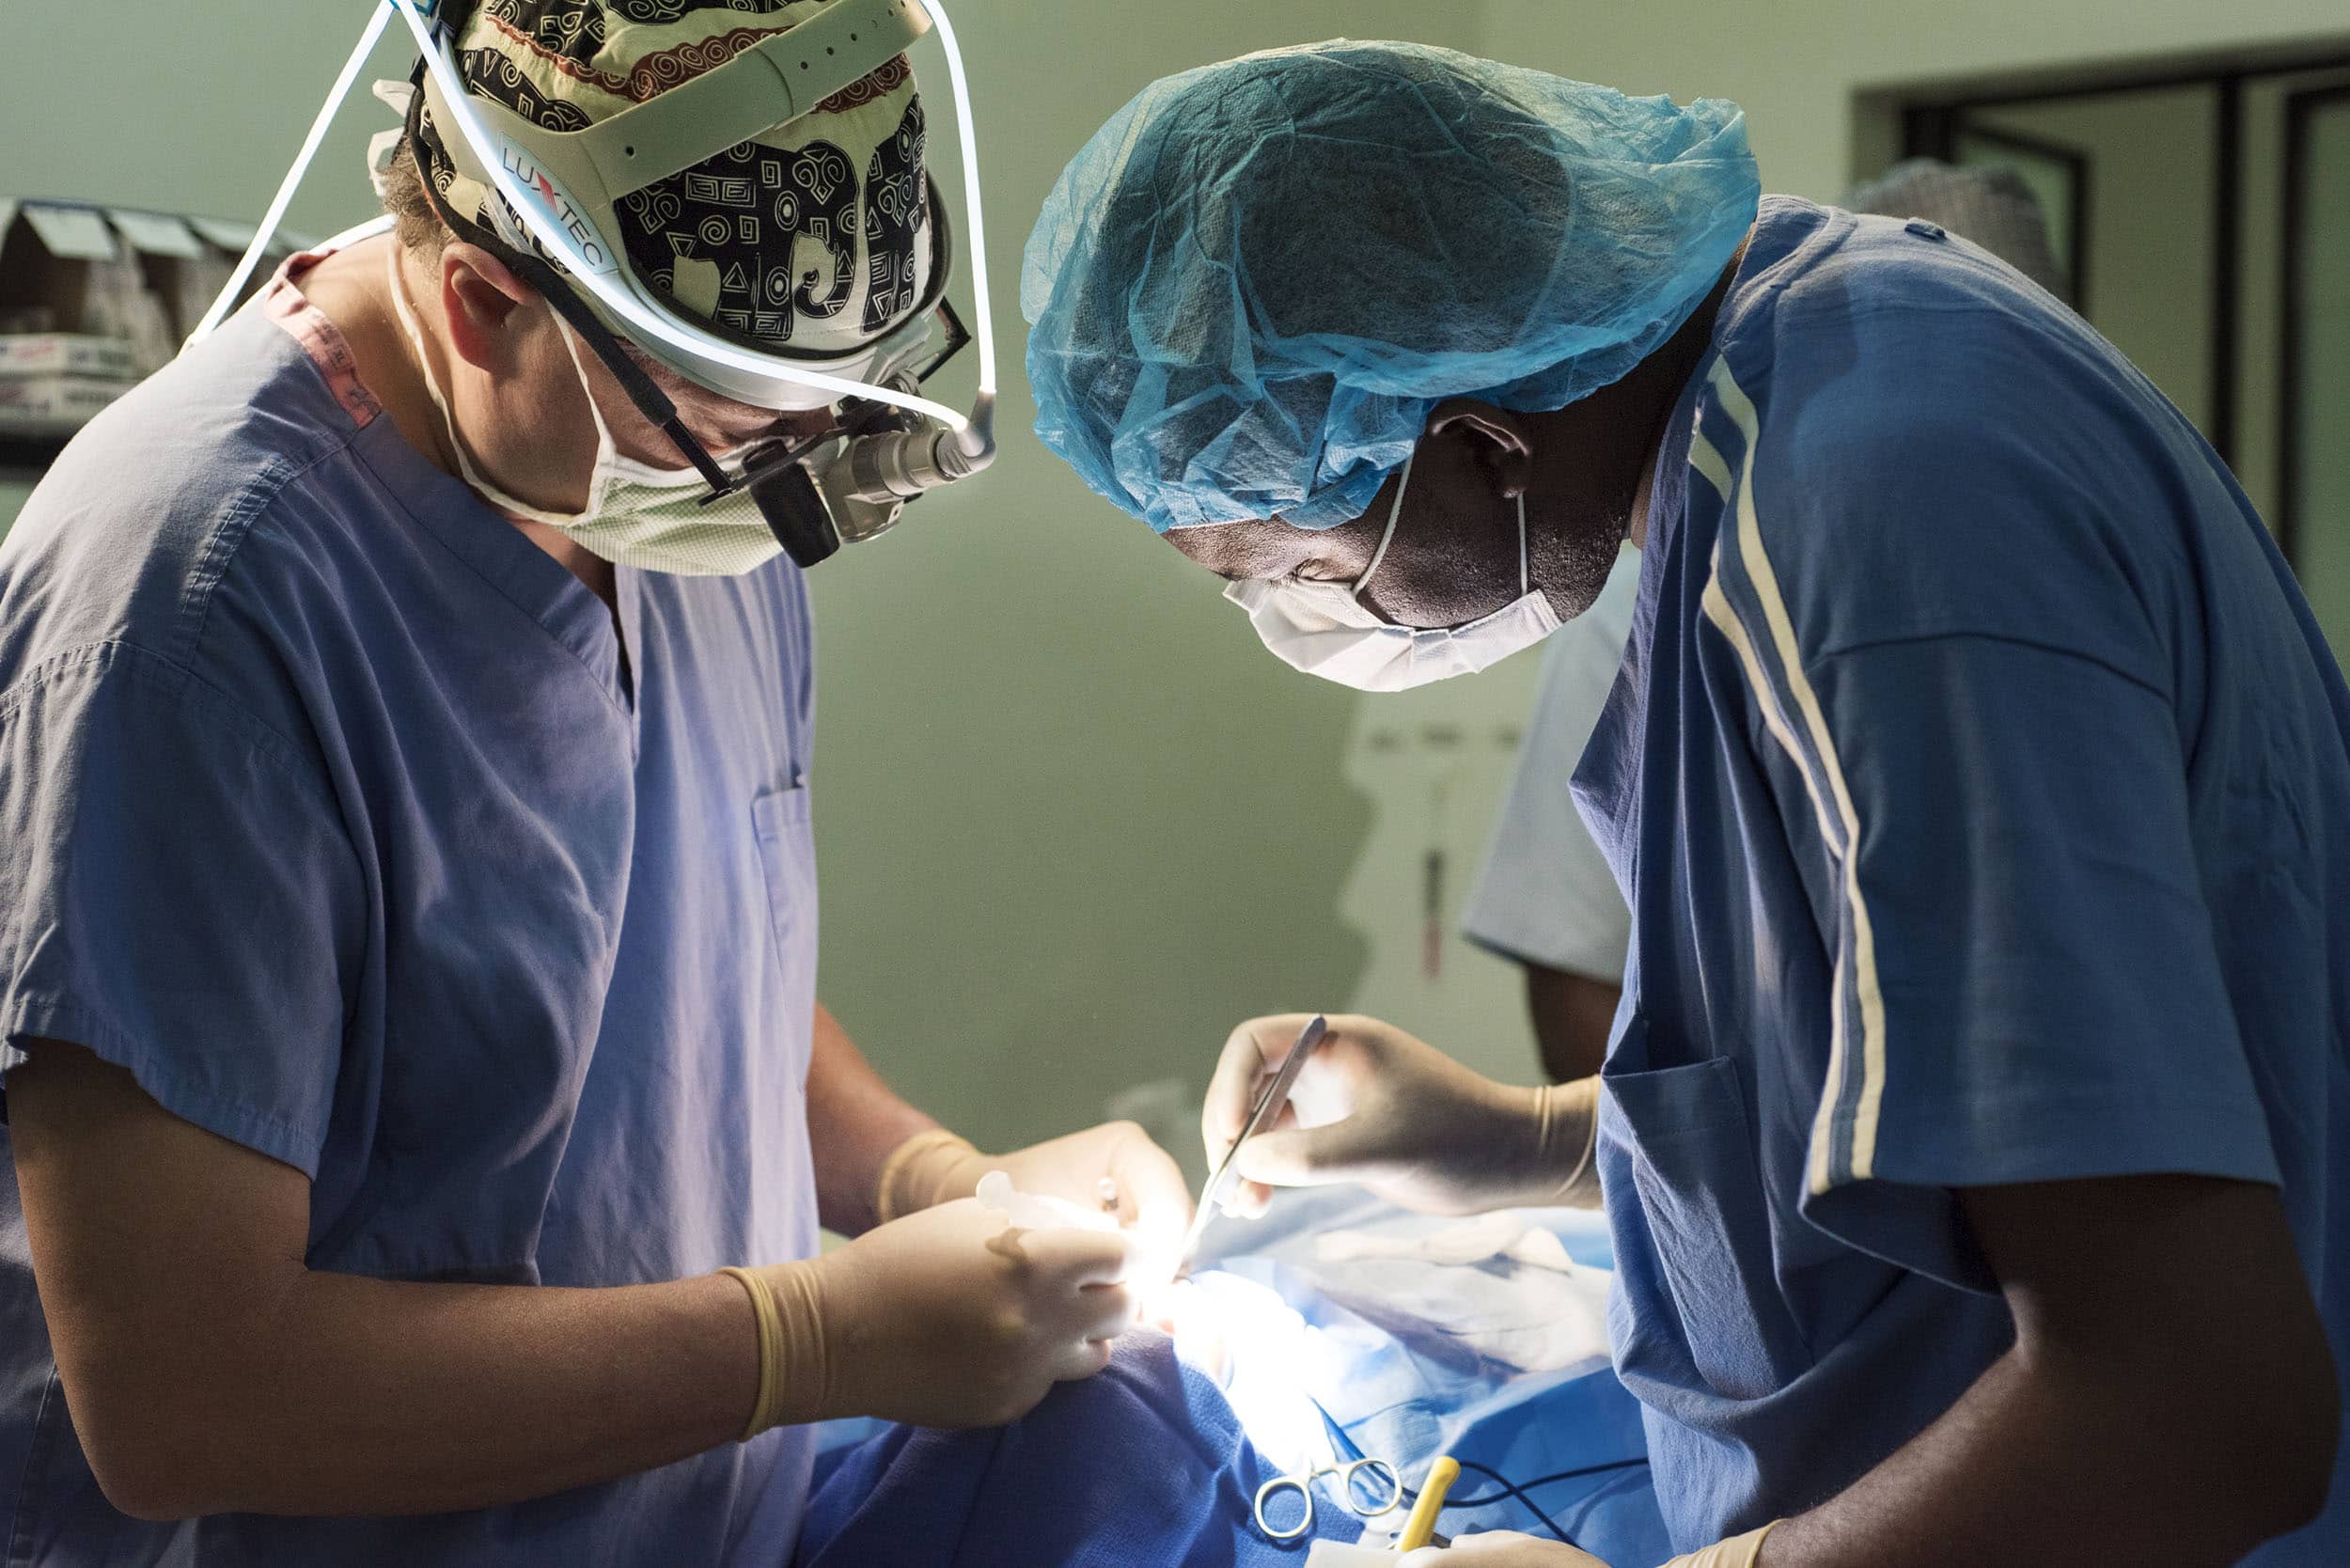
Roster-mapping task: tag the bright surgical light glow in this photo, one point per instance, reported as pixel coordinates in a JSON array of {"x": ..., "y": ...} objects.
[
  {"x": 1241, "y": 1335},
  {"x": 1156, "y": 1239},
  {"x": 1264, "y": 1356},
  {"x": 1246, "y": 1338}
]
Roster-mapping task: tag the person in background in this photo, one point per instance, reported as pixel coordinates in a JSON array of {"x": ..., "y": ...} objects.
[
  {"x": 1976, "y": 1137},
  {"x": 408, "y": 908},
  {"x": 1546, "y": 897},
  {"x": 1989, "y": 205}
]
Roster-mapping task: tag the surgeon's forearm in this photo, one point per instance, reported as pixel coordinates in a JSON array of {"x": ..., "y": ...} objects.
[
  {"x": 365, "y": 1397},
  {"x": 855, "y": 1121},
  {"x": 1574, "y": 1014},
  {"x": 2169, "y": 1400},
  {"x": 2032, "y": 1467},
  {"x": 207, "y": 1369}
]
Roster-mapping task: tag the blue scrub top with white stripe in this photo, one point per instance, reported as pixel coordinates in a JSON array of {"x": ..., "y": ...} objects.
[{"x": 1979, "y": 784}]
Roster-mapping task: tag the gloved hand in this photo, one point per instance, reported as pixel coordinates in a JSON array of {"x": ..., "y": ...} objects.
[
  {"x": 1503, "y": 1548},
  {"x": 1144, "y": 1181},
  {"x": 1743, "y": 1551},
  {"x": 1378, "y": 1107},
  {"x": 1499, "y": 1548},
  {"x": 1144, "y": 1185},
  {"x": 944, "y": 1318}
]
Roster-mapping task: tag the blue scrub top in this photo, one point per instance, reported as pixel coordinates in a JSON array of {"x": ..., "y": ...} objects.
[
  {"x": 1981, "y": 787},
  {"x": 329, "y": 809}
]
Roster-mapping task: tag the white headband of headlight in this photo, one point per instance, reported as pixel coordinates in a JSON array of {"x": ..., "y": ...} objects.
[{"x": 563, "y": 186}]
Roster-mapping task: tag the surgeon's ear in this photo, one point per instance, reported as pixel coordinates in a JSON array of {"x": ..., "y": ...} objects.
[
  {"x": 1499, "y": 443},
  {"x": 483, "y": 301}
]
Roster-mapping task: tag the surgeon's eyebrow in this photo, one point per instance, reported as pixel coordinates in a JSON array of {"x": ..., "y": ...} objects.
[
  {"x": 1319, "y": 558},
  {"x": 1210, "y": 545},
  {"x": 1268, "y": 551}
]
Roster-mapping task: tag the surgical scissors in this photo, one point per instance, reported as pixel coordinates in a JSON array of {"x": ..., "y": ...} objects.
[{"x": 1385, "y": 1494}]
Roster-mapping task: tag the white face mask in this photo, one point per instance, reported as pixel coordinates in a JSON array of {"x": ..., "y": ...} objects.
[
  {"x": 636, "y": 514},
  {"x": 1325, "y": 629}
]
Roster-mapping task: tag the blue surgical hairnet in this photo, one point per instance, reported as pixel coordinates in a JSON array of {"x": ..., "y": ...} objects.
[{"x": 1250, "y": 288}]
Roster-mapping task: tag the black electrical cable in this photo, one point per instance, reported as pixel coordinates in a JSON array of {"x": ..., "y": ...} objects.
[
  {"x": 1343, "y": 1441},
  {"x": 1511, "y": 1488},
  {"x": 1519, "y": 1490}
]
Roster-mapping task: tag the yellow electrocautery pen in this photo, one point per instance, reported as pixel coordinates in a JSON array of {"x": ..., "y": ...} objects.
[{"x": 1423, "y": 1523}]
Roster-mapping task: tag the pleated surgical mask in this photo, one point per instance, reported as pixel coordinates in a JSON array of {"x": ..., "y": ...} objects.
[
  {"x": 1325, "y": 629},
  {"x": 636, "y": 514}
]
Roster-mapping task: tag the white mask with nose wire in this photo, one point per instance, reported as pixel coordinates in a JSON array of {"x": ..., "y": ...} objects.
[
  {"x": 1325, "y": 627},
  {"x": 636, "y": 514}
]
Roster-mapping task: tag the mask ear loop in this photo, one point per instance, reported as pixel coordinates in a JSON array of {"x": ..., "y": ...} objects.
[
  {"x": 1395, "y": 509},
  {"x": 651, "y": 400}
]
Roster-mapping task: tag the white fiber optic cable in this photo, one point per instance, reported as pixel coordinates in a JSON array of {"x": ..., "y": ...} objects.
[
  {"x": 970, "y": 133},
  {"x": 294, "y": 175}
]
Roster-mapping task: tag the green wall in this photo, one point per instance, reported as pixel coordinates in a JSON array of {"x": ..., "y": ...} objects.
[
  {"x": 1795, "y": 64},
  {"x": 2325, "y": 480},
  {"x": 1075, "y": 824}
]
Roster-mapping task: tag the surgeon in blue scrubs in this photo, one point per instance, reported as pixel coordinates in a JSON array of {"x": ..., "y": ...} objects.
[
  {"x": 1974, "y": 1132},
  {"x": 408, "y": 930}
]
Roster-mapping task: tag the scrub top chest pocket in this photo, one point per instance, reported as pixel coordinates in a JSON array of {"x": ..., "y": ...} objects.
[
  {"x": 1710, "y": 1290},
  {"x": 786, "y": 854}
]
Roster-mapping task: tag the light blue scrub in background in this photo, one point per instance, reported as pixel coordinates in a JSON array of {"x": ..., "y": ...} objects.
[
  {"x": 1545, "y": 894},
  {"x": 1981, "y": 787},
  {"x": 328, "y": 810}
]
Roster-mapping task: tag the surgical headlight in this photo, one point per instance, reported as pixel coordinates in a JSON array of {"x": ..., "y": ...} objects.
[{"x": 559, "y": 188}]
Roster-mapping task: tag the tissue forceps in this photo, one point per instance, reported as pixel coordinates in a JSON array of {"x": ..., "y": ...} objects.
[{"x": 1268, "y": 1105}]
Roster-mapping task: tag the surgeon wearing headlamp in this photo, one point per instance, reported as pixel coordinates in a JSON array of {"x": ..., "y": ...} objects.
[
  {"x": 1975, "y": 1133},
  {"x": 419, "y": 1104}
]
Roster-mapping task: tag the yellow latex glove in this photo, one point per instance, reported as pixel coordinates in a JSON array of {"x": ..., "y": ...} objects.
[
  {"x": 1145, "y": 1187},
  {"x": 1509, "y": 1549},
  {"x": 1742, "y": 1551},
  {"x": 1499, "y": 1548},
  {"x": 944, "y": 1318}
]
